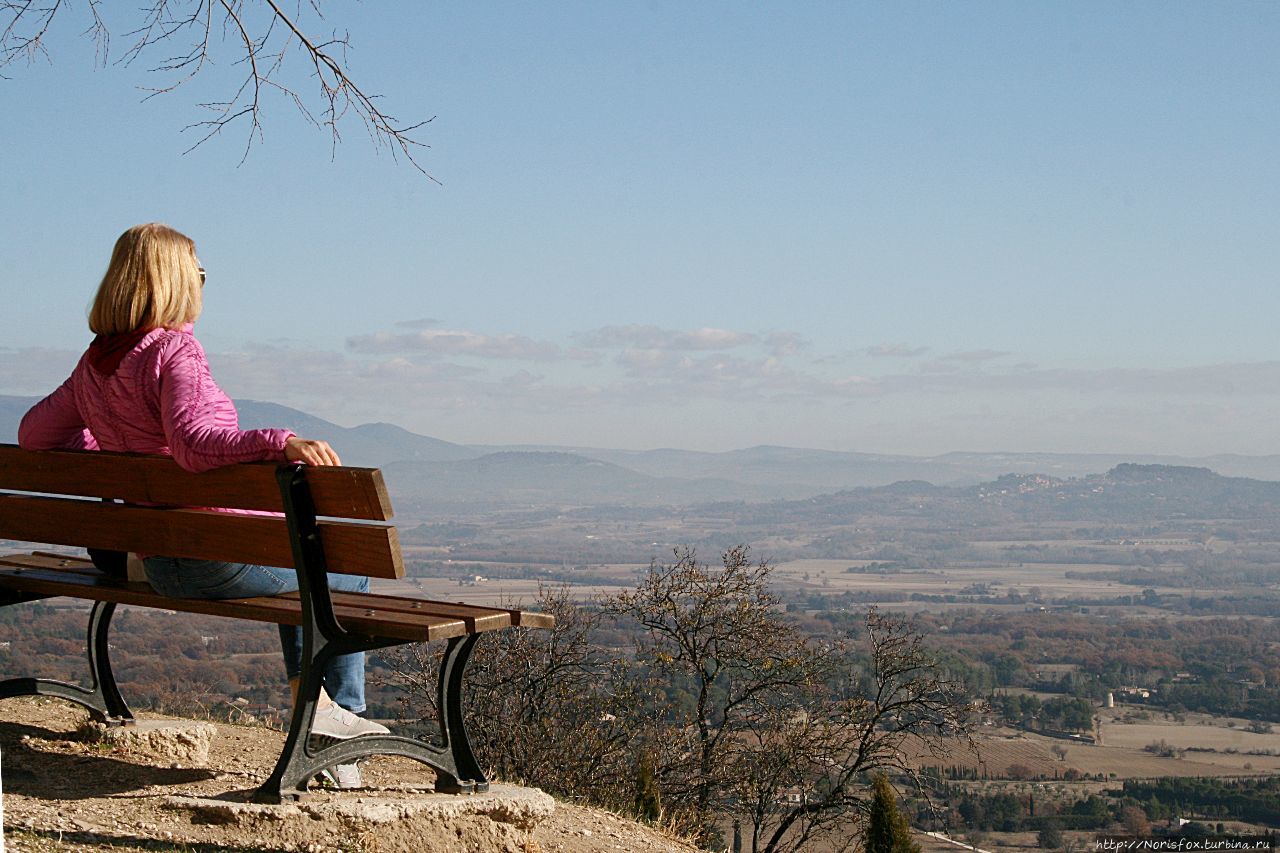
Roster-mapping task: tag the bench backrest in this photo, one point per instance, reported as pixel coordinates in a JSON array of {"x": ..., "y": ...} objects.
[{"x": 43, "y": 499}]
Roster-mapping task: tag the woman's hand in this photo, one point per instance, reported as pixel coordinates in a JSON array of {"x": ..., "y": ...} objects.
[{"x": 311, "y": 452}]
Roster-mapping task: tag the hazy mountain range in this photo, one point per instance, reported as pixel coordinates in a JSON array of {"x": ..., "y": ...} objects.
[
  {"x": 1126, "y": 494},
  {"x": 427, "y": 472}
]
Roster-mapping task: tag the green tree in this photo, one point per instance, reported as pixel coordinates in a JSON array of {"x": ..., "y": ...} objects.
[
  {"x": 1050, "y": 837},
  {"x": 887, "y": 828},
  {"x": 648, "y": 797}
]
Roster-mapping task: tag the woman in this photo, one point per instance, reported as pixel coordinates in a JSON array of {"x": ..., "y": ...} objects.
[{"x": 144, "y": 386}]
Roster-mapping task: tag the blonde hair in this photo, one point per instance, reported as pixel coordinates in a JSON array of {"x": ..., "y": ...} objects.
[{"x": 153, "y": 281}]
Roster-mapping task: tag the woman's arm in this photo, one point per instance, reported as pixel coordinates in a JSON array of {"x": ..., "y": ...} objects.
[
  {"x": 199, "y": 420},
  {"x": 55, "y": 424}
]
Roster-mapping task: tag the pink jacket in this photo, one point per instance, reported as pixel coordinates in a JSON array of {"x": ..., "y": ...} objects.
[{"x": 148, "y": 393}]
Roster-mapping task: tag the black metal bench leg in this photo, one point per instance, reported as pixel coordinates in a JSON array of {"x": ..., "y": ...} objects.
[
  {"x": 457, "y": 770},
  {"x": 453, "y": 666},
  {"x": 104, "y": 679},
  {"x": 323, "y": 637},
  {"x": 292, "y": 775},
  {"x": 102, "y": 697}
]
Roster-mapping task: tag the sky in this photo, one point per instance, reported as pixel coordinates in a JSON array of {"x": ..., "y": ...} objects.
[{"x": 901, "y": 228}]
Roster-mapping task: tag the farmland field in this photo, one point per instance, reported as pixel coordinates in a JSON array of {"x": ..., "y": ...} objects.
[
  {"x": 1198, "y": 732},
  {"x": 825, "y": 577},
  {"x": 1121, "y": 755},
  {"x": 834, "y": 577}
]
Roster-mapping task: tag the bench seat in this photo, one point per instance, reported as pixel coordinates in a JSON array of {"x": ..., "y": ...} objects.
[{"x": 43, "y": 574}]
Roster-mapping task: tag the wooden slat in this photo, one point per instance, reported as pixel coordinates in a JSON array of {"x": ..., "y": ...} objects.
[
  {"x": 478, "y": 618},
  {"x": 521, "y": 618},
  {"x": 532, "y": 619},
  {"x": 354, "y": 549},
  {"x": 135, "y": 478},
  {"x": 278, "y": 609},
  {"x": 48, "y": 560}
]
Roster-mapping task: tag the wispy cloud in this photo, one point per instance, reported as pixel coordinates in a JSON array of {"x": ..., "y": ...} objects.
[
  {"x": 784, "y": 344},
  {"x": 1243, "y": 379},
  {"x": 468, "y": 378},
  {"x": 975, "y": 356},
  {"x": 421, "y": 323},
  {"x": 443, "y": 342},
  {"x": 655, "y": 338},
  {"x": 895, "y": 351},
  {"x": 968, "y": 360}
]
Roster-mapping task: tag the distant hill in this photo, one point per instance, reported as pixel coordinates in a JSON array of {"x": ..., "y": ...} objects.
[
  {"x": 525, "y": 479},
  {"x": 1133, "y": 491},
  {"x": 1126, "y": 494},
  {"x": 824, "y": 470},
  {"x": 11, "y": 411},
  {"x": 787, "y": 468},
  {"x": 433, "y": 474},
  {"x": 370, "y": 445}
]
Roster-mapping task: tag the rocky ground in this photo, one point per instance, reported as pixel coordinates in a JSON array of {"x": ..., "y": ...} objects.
[{"x": 188, "y": 788}]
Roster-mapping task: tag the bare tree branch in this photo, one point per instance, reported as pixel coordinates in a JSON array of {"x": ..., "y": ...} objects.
[{"x": 265, "y": 38}]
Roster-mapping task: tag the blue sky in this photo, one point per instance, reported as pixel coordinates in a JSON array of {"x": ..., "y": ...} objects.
[{"x": 903, "y": 227}]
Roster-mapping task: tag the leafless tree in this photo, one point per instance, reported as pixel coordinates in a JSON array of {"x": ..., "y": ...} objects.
[
  {"x": 889, "y": 703},
  {"x": 275, "y": 44},
  {"x": 784, "y": 729},
  {"x": 544, "y": 707},
  {"x": 716, "y": 631},
  {"x": 715, "y": 698},
  {"x": 780, "y": 758}
]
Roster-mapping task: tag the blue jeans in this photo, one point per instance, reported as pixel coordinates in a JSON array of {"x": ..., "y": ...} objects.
[{"x": 182, "y": 577}]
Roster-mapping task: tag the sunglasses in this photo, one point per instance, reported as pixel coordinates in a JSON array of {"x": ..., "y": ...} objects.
[{"x": 201, "y": 271}]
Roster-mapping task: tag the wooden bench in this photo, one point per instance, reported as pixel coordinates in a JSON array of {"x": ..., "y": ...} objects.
[{"x": 333, "y": 521}]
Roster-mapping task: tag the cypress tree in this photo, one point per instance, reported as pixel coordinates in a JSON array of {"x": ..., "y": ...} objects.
[
  {"x": 648, "y": 799},
  {"x": 887, "y": 828}
]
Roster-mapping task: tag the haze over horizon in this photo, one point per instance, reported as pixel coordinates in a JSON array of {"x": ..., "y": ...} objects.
[{"x": 907, "y": 229}]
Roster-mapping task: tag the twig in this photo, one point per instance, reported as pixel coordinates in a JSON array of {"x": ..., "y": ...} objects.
[{"x": 263, "y": 45}]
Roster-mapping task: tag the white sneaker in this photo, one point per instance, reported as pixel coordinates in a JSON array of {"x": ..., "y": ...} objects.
[
  {"x": 337, "y": 722},
  {"x": 345, "y": 776}
]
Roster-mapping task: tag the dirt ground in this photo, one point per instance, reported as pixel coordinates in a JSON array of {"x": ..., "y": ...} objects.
[{"x": 61, "y": 793}]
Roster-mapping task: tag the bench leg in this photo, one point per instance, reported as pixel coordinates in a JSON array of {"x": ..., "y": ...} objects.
[
  {"x": 453, "y": 666},
  {"x": 323, "y": 637},
  {"x": 104, "y": 679},
  {"x": 292, "y": 772},
  {"x": 102, "y": 697},
  {"x": 457, "y": 770}
]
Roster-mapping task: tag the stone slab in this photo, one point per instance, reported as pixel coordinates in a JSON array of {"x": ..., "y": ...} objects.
[
  {"x": 181, "y": 742},
  {"x": 511, "y": 804}
]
